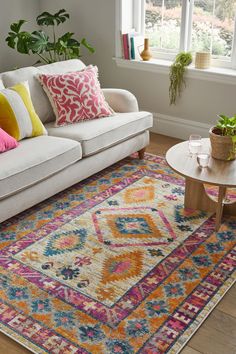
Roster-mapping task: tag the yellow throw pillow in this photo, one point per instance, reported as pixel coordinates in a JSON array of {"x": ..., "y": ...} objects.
[{"x": 17, "y": 114}]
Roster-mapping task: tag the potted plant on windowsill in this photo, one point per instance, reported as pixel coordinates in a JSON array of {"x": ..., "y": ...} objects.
[
  {"x": 223, "y": 138},
  {"x": 177, "y": 70}
]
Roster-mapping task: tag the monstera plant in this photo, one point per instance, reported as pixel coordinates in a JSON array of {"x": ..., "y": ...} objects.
[{"x": 49, "y": 48}]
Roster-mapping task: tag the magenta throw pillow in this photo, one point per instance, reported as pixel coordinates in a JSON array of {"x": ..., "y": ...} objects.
[
  {"x": 7, "y": 142},
  {"x": 75, "y": 96}
]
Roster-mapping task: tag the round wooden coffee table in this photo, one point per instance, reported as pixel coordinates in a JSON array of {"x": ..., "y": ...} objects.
[{"x": 219, "y": 173}]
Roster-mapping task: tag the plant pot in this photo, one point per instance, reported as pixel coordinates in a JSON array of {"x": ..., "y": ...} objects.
[
  {"x": 222, "y": 146},
  {"x": 202, "y": 60}
]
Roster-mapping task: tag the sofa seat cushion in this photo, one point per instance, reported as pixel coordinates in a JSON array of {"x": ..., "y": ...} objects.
[
  {"x": 99, "y": 134},
  {"x": 34, "y": 160}
]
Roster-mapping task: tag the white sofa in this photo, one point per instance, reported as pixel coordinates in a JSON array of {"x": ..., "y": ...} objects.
[{"x": 43, "y": 166}]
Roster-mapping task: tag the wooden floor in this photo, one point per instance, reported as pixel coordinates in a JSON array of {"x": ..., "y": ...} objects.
[{"x": 217, "y": 335}]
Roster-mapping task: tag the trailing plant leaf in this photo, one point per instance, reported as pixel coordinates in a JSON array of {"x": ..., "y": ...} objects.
[{"x": 177, "y": 71}]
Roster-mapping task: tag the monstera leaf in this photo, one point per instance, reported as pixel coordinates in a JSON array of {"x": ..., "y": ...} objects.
[
  {"x": 47, "y": 19},
  {"x": 67, "y": 45},
  {"x": 70, "y": 47},
  {"x": 39, "y": 42},
  {"x": 87, "y": 45},
  {"x": 18, "y": 39},
  {"x": 16, "y": 26}
]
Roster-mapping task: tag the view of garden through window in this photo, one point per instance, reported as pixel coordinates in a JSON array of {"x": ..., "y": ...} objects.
[{"x": 212, "y": 25}]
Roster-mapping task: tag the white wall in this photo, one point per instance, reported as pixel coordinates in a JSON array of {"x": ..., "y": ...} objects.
[{"x": 11, "y": 11}]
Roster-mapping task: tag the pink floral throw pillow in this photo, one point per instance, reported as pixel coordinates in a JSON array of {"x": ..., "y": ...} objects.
[
  {"x": 76, "y": 96},
  {"x": 7, "y": 142}
]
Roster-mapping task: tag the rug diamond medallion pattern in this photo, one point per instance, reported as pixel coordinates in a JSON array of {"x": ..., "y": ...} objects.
[
  {"x": 140, "y": 194},
  {"x": 65, "y": 242},
  {"x": 129, "y": 227},
  {"x": 122, "y": 267},
  {"x": 114, "y": 264}
]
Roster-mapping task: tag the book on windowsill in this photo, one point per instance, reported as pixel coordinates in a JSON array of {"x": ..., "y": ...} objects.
[
  {"x": 132, "y": 45},
  {"x": 125, "y": 46},
  {"x": 138, "y": 42}
]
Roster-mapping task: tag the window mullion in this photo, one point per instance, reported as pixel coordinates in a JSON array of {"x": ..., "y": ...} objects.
[
  {"x": 139, "y": 16},
  {"x": 184, "y": 26},
  {"x": 233, "y": 59},
  {"x": 190, "y": 24}
]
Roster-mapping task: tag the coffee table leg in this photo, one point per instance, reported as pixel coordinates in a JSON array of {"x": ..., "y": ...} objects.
[
  {"x": 196, "y": 197},
  {"x": 220, "y": 206}
]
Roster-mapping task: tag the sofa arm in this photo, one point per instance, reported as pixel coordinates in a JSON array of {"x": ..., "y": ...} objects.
[{"x": 121, "y": 101}]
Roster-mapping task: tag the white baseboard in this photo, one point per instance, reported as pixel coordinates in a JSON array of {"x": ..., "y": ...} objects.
[{"x": 178, "y": 127}]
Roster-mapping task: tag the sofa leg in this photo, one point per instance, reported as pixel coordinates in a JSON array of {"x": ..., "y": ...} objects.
[{"x": 141, "y": 153}]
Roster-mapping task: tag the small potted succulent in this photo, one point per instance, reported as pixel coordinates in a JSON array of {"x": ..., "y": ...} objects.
[{"x": 223, "y": 138}]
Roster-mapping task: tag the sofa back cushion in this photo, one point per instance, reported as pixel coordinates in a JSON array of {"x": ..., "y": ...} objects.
[
  {"x": 1, "y": 85},
  {"x": 39, "y": 98},
  {"x": 62, "y": 67}
]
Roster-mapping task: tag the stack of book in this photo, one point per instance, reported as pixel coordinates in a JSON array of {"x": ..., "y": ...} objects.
[{"x": 132, "y": 45}]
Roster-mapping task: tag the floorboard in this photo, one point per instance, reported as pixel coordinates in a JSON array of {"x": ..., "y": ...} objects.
[{"x": 189, "y": 350}]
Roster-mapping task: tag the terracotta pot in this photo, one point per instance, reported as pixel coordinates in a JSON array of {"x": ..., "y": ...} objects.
[
  {"x": 146, "y": 54},
  {"x": 222, "y": 146}
]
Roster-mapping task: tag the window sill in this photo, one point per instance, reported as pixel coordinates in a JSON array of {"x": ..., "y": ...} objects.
[{"x": 222, "y": 75}]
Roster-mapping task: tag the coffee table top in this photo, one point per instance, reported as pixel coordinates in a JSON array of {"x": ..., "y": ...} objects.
[{"x": 220, "y": 173}]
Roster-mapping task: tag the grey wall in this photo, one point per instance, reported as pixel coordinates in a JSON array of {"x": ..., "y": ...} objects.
[{"x": 13, "y": 10}]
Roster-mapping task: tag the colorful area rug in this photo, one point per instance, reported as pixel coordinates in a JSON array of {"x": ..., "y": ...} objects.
[{"x": 113, "y": 265}]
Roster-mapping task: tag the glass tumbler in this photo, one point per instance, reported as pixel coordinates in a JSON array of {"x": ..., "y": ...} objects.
[{"x": 195, "y": 144}]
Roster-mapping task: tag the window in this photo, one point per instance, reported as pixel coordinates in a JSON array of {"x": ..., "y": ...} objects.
[
  {"x": 163, "y": 24},
  {"x": 195, "y": 25},
  {"x": 183, "y": 25}
]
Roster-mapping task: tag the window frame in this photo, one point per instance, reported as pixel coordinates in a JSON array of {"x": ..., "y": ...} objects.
[{"x": 137, "y": 25}]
